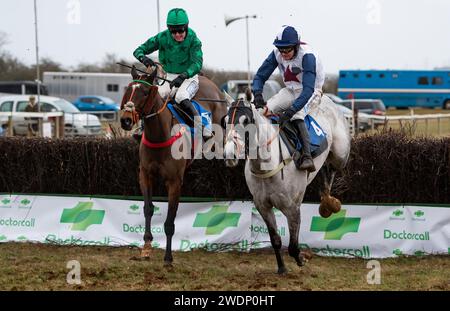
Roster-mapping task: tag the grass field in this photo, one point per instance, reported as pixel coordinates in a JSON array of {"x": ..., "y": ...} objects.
[
  {"x": 418, "y": 128},
  {"x": 26, "y": 266}
]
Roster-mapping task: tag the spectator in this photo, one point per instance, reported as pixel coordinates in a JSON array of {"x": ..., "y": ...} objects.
[{"x": 33, "y": 128}]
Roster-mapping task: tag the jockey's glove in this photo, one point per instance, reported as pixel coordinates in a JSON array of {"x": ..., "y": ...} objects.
[
  {"x": 286, "y": 117},
  {"x": 147, "y": 61},
  {"x": 178, "y": 80},
  {"x": 259, "y": 101}
]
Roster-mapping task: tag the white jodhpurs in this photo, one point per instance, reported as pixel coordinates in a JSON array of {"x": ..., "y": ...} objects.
[
  {"x": 187, "y": 89},
  {"x": 284, "y": 99}
]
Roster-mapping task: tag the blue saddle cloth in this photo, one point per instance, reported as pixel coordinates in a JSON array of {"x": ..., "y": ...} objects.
[
  {"x": 318, "y": 141},
  {"x": 205, "y": 114}
]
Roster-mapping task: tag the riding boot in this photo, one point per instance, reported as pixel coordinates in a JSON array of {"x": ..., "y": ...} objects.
[
  {"x": 188, "y": 107},
  {"x": 305, "y": 162},
  {"x": 138, "y": 132}
]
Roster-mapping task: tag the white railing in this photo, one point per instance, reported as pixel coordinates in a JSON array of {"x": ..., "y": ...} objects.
[
  {"x": 43, "y": 119},
  {"x": 411, "y": 118}
]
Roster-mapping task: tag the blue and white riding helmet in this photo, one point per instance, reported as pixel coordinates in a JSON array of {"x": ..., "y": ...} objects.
[{"x": 287, "y": 36}]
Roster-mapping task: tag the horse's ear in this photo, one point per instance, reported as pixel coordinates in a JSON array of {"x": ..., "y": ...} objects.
[
  {"x": 151, "y": 77},
  {"x": 134, "y": 73},
  {"x": 228, "y": 98}
]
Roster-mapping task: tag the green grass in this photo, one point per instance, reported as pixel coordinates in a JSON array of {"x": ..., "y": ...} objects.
[
  {"x": 418, "y": 128},
  {"x": 26, "y": 266}
]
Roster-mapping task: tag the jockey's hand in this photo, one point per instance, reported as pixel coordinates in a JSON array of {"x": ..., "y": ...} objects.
[
  {"x": 147, "y": 61},
  {"x": 259, "y": 101},
  {"x": 178, "y": 80},
  {"x": 286, "y": 117}
]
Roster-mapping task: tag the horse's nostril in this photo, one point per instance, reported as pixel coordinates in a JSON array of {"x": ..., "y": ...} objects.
[{"x": 125, "y": 122}]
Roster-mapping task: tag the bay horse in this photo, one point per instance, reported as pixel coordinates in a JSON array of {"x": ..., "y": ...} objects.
[
  {"x": 141, "y": 100},
  {"x": 273, "y": 179}
]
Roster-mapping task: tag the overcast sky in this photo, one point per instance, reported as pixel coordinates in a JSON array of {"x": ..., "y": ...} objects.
[{"x": 347, "y": 34}]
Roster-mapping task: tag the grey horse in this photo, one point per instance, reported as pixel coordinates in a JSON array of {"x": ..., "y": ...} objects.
[{"x": 270, "y": 173}]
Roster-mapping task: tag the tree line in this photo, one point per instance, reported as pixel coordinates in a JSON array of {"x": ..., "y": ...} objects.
[{"x": 13, "y": 69}]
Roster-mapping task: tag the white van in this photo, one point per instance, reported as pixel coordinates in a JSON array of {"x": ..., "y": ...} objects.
[{"x": 76, "y": 123}]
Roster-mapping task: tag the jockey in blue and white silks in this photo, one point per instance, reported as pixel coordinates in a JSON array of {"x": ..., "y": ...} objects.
[{"x": 303, "y": 77}]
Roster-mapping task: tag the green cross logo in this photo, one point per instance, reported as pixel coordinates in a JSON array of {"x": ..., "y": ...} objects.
[
  {"x": 25, "y": 202},
  {"x": 22, "y": 238},
  {"x": 3, "y": 237},
  {"x": 216, "y": 219},
  {"x": 82, "y": 216},
  {"x": 6, "y": 201},
  {"x": 419, "y": 213},
  {"x": 397, "y": 212},
  {"x": 277, "y": 212},
  {"x": 419, "y": 253},
  {"x": 335, "y": 226},
  {"x": 397, "y": 252},
  {"x": 134, "y": 207}
]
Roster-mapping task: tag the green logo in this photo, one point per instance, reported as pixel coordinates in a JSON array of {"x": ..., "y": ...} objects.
[
  {"x": 419, "y": 213},
  {"x": 25, "y": 202},
  {"x": 22, "y": 238},
  {"x": 6, "y": 201},
  {"x": 277, "y": 212},
  {"x": 335, "y": 226},
  {"x": 397, "y": 252},
  {"x": 3, "y": 237},
  {"x": 216, "y": 219},
  {"x": 419, "y": 253},
  {"x": 82, "y": 216},
  {"x": 134, "y": 207},
  {"x": 397, "y": 213}
]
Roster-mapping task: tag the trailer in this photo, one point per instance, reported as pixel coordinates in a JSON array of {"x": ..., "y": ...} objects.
[
  {"x": 71, "y": 85},
  {"x": 398, "y": 88}
]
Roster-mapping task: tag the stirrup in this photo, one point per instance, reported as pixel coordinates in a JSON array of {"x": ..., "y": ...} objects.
[{"x": 307, "y": 163}]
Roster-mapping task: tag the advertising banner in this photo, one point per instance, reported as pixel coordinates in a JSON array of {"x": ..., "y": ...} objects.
[{"x": 366, "y": 231}]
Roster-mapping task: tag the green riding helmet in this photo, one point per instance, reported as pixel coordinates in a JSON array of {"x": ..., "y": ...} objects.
[{"x": 177, "y": 17}]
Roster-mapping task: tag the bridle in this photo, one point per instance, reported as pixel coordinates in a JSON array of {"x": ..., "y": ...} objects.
[
  {"x": 146, "y": 113},
  {"x": 248, "y": 112},
  {"x": 232, "y": 134}
]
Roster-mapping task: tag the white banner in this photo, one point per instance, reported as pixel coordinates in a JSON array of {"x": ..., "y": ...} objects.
[{"x": 365, "y": 231}]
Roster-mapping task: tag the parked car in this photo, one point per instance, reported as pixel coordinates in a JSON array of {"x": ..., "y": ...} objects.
[
  {"x": 75, "y": 122},
  {"x": 336, "y": 99},
  {"x": 370, "y": 106},
  {"x": 95, "y": 103},
  {"x": 364, "y": 122}
]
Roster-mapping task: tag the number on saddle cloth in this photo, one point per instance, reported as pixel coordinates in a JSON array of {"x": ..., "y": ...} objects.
[{"x": 317, "y": 136}]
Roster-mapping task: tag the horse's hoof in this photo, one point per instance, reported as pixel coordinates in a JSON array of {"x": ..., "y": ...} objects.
[
  {"x": 336, "y": 206},
  {"x": 146, "y": 251},
  {"x": 282, "y": 270},
  {"x": 324, "y": 212},
  {"x": 307, "y": 255}
]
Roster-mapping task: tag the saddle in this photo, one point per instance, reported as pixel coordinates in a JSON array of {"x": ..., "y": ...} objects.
[
  {"x": 184, "y": 118},
  {"x": 289, "y": 134}
]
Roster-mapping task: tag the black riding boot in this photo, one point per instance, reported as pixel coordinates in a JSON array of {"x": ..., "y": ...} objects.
[
  {"x": 305, "y": 162},
  {"x": 188, "y": 107}
]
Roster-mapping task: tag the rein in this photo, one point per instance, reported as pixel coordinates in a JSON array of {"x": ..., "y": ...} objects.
[
  {"x": 148, "y": 106},
  {"x": 259, "y": 173}
]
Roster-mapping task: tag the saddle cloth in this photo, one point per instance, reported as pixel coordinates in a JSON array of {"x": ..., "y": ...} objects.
[{"x": 290, "y": 136}]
